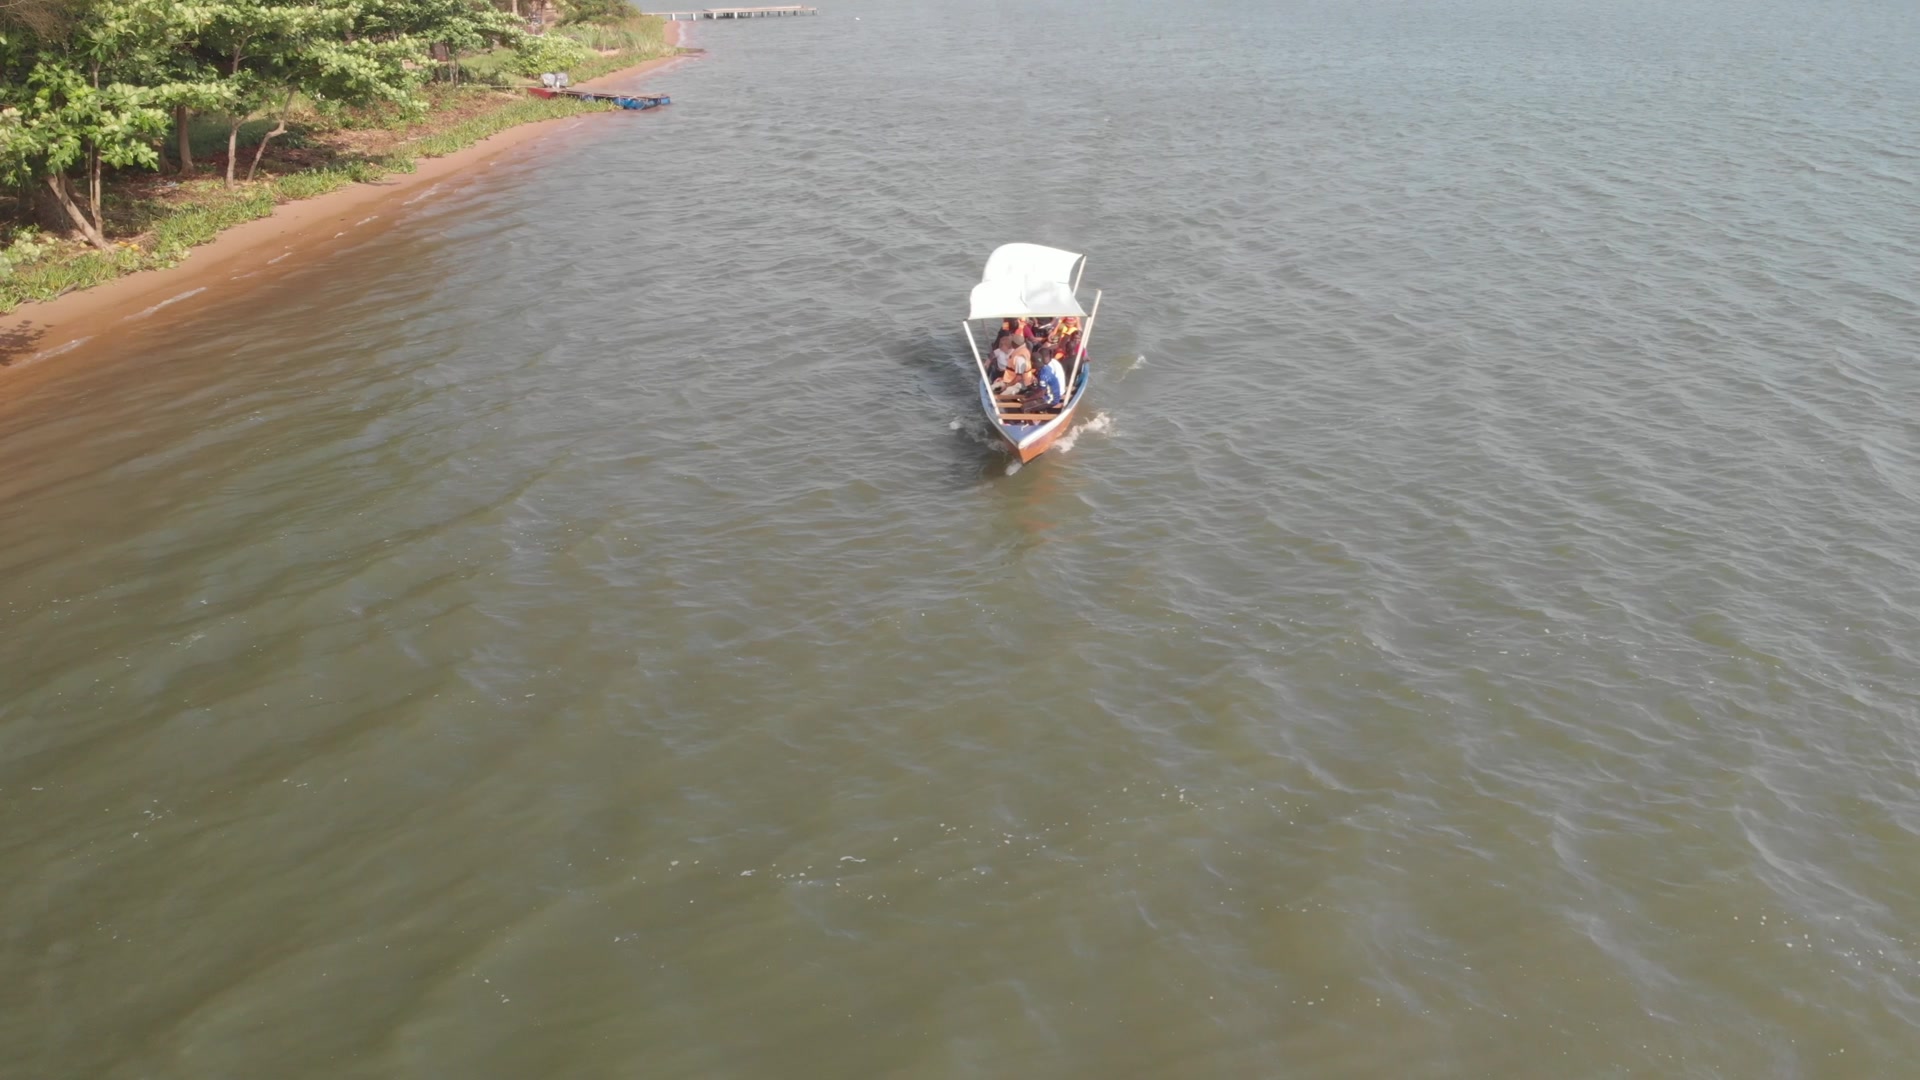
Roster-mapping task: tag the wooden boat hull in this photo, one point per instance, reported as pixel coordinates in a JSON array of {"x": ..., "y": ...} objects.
[
  {"x": 635, "y": 102},
  {"x": 1030, "y": 440}
]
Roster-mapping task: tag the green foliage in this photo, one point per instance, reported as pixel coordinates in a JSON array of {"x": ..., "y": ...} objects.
[
  {"x": 196, "y": 225},
  {"x": 597, "y": 11},
  {"x": 458, "y": 24},
  {"x": 492, "y": 68},
  {"x": 51, "y": 279},
  {"x": 311, "y": 182},
  {"x": 27, "y": 247},
  {"x": 263, "y": 51},
  {"x": 643, "y": 35},
  {"x": 632, "y": 41},
  {"x": 527, "y": 111},
  {"x": 208, "y": 134},
  {"x": 71, "y": 102},
  {"x": 533, "y": 56},
  {"x": 606, "y": 65},
  {"x": 90, "y": 86}
]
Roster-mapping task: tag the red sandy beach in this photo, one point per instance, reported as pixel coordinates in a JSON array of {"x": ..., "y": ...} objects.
[{"x": 36, "y": 331}]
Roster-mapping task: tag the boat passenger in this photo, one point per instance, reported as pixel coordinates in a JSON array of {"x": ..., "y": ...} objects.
[
  {"x": 1053, "y": 379},
  {"x": 1018, "y": 372},
  {"x": 1002, "y": 353},
  {"x": 1064, "y": 332}
]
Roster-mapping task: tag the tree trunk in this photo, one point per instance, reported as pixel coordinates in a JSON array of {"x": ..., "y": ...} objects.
[
  {"x": 279, "y": 128},
  {"x": 46, "y": 210},
  {"x": 234, "y": 122},
  {"x": 58, "y": 182},
  {"x": 93, "y": 191},
  {"x": 186, "y": 144},
  {"x": 233, "y": 144}
]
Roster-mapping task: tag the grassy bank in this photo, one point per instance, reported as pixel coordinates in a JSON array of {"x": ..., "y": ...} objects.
[{"x": 154, "y": 220}]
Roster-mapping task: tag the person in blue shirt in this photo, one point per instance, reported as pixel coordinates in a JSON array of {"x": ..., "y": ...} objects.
[{"x": 1053, "y": 379}]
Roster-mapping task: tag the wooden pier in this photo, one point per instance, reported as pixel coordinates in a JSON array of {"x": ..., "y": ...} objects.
[{"x": 734, "y": 13}]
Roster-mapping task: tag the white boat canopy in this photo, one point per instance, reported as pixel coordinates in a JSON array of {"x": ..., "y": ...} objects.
[
  {"x": 1026, "y": 281},
  {"x": 1030, "y": 261},
  {"x": 1024, "y": 298}
]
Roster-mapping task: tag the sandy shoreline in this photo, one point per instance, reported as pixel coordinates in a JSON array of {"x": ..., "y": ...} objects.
[{"x": 37, "y": 331}]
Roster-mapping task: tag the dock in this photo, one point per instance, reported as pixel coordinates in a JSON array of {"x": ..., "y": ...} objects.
[{"x": 734, "y": 13}]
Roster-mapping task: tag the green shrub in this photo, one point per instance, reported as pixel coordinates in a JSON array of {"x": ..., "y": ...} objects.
[
  {"x": 597, "y": 11},
  {"x": 26, "y": 248},
  {"x": 643, "y": 35},
  {"x": 53, "y": 278},
  {"x": 195, "y": 225},
  {"x": 526, "y": 111},
  {"x": 534, "y": 56},
  {"x": 493, "y": 67},
  {"x": 307, "y": 184}
]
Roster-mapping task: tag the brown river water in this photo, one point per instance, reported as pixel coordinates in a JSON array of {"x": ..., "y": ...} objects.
[{"x": 578, "y": 627}]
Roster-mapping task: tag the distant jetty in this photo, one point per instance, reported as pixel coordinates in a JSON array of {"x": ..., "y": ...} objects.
[{"x": 734, "y": 13}]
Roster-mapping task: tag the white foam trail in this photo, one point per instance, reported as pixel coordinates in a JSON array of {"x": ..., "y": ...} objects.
[
  {"x": 977, "y": 430},
  {"x": 1139, "y": 361},
  {"x": 74, "y": 344},
  {"x": 1012, "y": 467},
  {"x": 1100, "y": 422},
  {"x": 422, "y": 195},
  {"x": 364, "y": 220},
  {"x": 280, "y": 256},
  {"x": 169, "y": 300}
]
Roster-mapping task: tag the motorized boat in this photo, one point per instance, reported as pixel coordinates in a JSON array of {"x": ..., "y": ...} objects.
[{"x": 1033, "y": 282}]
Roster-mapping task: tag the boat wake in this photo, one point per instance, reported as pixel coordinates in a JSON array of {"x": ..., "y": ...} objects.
[
  {"x": 1099, "y": 422},
  {"x": 976, "y": 430},
  {"x": 68, "y": 347},
  {"x": 169, "y": 300}
]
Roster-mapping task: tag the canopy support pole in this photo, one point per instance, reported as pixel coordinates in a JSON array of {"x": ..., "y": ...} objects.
[
  {"x": 1077, "y": 271},
  {"x": 985, "y": 379},
  {"x": 1085, "y": 336}
]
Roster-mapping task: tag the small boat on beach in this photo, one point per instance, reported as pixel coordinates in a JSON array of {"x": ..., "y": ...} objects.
[
  {"x": 625, "y": 101},
  {"x": 1032, "y": 293}
]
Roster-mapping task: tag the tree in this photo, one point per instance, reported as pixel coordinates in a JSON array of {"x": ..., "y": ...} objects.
[
  {"x": 459, "y": 25},
  {"x": 71, "y": 99},
  {"x": 88, "y": 85},
  {"x": 269, "y": 52},
  {"x": 248, "y": 44},
  {"x": 196, "y": 88}
]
